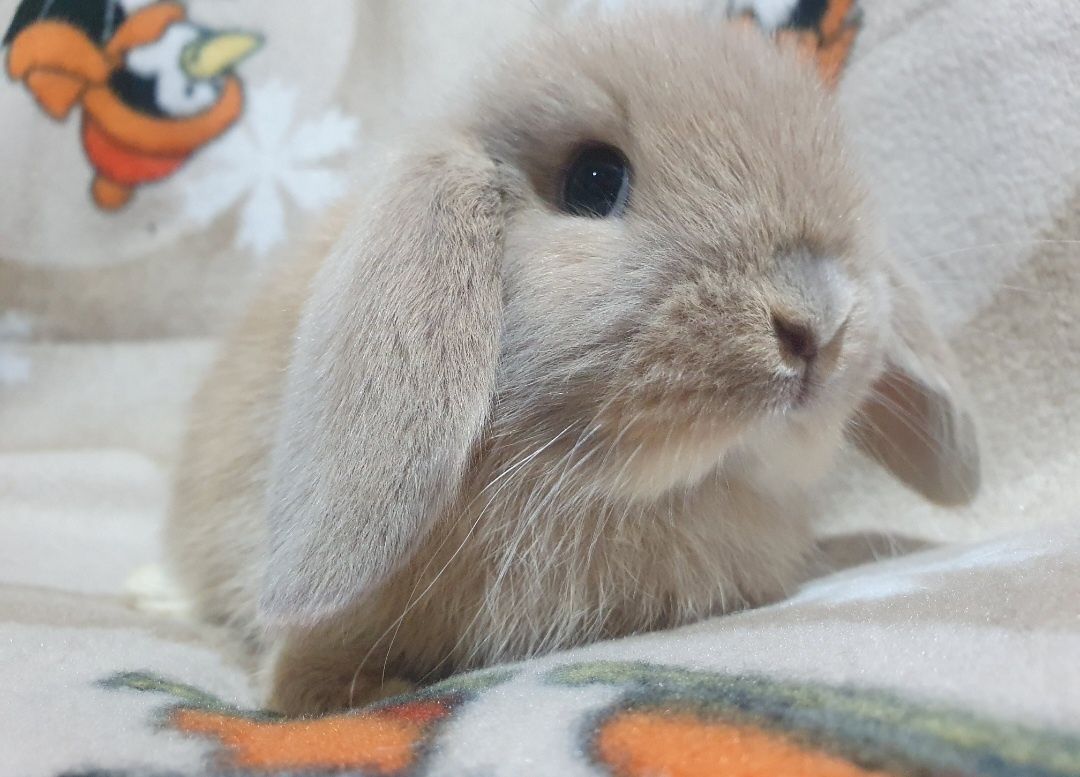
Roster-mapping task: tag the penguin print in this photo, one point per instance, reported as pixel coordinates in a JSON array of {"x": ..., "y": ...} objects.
[
  {"x": 824, "y": 31},
  {"x": 153, "y": 86}
]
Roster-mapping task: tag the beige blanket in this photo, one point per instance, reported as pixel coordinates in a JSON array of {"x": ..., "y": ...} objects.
[{"x": 112, "y": 293}]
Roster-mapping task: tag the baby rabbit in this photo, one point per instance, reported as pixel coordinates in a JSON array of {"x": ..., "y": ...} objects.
[{"x": 566, "y": 374}]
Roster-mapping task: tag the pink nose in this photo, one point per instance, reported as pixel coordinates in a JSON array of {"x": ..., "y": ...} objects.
[
  {"x": 798, "y": 341},
  {"x": 801, "y": 347}
]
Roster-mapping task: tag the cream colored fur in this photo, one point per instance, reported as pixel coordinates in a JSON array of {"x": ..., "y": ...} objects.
[{"x": 478, "y": 429}]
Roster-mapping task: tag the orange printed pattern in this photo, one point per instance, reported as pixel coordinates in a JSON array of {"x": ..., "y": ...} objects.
[
  {"x": 385, "y": 741},
  {"x": 391, "y": 739},
  {"x": 647, "y": 744},
  {"x": 674, "y": 722},
  {"x": 830, "y": 39},
  {"x": 666, "y": 722}
]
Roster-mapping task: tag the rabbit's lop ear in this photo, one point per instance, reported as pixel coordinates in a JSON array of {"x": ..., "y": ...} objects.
[
  {"x": 389, "y": 386},
  {"x": 916, "y": 422}
]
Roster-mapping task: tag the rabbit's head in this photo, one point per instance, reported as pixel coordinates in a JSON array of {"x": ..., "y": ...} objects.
[{"x": 640, "y": 255}]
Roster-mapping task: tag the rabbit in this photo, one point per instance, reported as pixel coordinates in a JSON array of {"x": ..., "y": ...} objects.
[{"x": 568, "y": 370}]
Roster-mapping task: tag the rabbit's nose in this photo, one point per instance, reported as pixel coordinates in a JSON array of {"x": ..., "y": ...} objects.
[
  {"x": 801, "y": 343},
  {"x": 798, "y": 342}
]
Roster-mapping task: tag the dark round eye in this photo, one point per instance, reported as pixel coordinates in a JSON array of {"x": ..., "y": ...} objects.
[{"x": 597, "y": 183}]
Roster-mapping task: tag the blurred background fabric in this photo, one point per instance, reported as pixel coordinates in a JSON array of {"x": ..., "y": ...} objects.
[{"x": 114, "y": 293}]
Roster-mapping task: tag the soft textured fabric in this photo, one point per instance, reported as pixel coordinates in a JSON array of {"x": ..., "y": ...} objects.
[{"x": 960, "y": 660}]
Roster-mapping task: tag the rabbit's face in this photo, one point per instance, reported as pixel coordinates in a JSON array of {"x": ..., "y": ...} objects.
[{"x": 688, "y": 276}]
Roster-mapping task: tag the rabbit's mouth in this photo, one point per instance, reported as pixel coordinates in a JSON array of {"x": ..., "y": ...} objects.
[
  {"x": 794, "y": 425},
  {"x": 801, "y": 393}
]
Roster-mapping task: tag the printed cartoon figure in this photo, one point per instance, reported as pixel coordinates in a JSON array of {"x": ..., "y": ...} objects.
[
  {"x": 153, "y": 86},
  {"x": 824, "y": 31},
  {"x": 665, "y": 720},
  {"x": 692, "y": 723},
  {"x": 392, "y": 739}
]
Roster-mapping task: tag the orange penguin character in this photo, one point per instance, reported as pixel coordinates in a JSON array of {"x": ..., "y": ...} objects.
[{"x": 153, "y": 86}]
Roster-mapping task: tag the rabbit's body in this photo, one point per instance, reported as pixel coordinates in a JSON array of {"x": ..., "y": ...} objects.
[
  {"x": 216, "y": 532},
  {"x": 510, "y": 572},
  {"x": 489, "y": 423}
]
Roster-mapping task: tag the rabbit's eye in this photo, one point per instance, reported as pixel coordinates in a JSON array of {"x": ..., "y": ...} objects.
[{"x": 597, "y": 183}]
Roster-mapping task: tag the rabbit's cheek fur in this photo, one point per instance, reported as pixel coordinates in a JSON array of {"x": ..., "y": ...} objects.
[
  {"x": 559, "y": 272},
  {"x": 650, "y": 377}
]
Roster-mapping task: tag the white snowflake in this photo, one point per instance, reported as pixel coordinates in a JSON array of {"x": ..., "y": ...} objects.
[
  {"x": 14, "y": 367},
  {"x": 266, "y": 154}
]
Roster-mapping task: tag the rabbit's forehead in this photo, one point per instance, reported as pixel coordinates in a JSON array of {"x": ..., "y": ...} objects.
[
  {"x": 719, "y": 127},
  {"x": 642, "y": 73},
  {"x": 751, "y": 229}
]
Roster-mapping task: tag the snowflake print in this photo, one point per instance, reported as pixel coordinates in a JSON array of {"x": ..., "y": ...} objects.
[{"x": 267, "y": 156}]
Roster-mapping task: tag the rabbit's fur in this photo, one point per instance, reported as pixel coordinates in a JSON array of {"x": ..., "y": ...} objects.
[{"x": 479, "y": 428}]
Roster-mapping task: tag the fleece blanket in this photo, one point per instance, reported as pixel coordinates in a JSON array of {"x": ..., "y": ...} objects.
[{"x": 128, "y": 241}]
